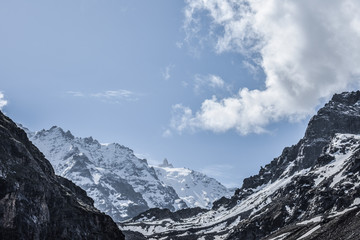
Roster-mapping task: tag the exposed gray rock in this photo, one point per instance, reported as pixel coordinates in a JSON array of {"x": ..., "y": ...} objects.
[
  {"x": 166, "y": 164},
  {"x": 37, "y": 204},
  {"x": 311, "y": 191}
]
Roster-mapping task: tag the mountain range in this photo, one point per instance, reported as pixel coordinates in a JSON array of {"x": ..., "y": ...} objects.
[
  {"x": 121, "y": 184},
  {"x": 311, "y": 191}
]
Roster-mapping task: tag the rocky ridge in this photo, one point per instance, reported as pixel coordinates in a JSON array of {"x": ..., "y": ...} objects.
[
  {"x": 121, "y": 184},
  {"x": 311, "y": 191},
  {"x": 37, "y": 204}
]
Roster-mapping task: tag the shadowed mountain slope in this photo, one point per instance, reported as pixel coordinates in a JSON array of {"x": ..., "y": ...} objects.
[
  {"x": 37, "y": 204},
  {"x": 311, "y": 191}
]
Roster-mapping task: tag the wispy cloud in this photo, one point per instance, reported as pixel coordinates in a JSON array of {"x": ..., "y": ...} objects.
[
  {"x": 184, "y": 84},
  {"x": 166, "y": 73},
  {"x": 208, "y": 81},
  {"x": 182, "y": 118},
  {"x": 111, "y": 96},
  {"x": 167, "y": 133},
  {"x": 307, "y": 50},
  {"x": 117, "y": 95},
  {"x": 3, "y": 102},
  {"x": 254, "y": 69},
  {"x": 76, "y": 93},
  {"x": 179, "y": 44}
]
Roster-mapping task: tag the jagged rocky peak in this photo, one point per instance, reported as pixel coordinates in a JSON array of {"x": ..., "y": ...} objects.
[
  {"x": 312, "y": 202},
  {"x": 37, "y": 204},
  {"x": 59, "y": 130},
  {"x": 166, "y": 164},
  {"x": 340, "y": 115}
]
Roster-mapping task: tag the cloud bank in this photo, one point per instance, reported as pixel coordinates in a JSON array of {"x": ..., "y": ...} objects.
[
  {"x": 3, "y": 102},
  {"x": 307, "y": 49}
]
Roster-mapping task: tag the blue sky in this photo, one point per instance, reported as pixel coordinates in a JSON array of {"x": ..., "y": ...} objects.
[{"x": 216, "y": 86}]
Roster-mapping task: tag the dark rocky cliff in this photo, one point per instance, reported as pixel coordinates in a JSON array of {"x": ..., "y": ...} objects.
[
  {"x": 305, "y": 195},
  {"x": 340, "y": 115},
  {"x": 37, "y": 204},
  {"x": 311, "y": 191}
]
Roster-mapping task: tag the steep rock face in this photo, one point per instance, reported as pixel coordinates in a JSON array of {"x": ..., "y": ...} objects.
[
  {"x": 340, "y": 115},
  {"x": 121, "y": 184},
  {"x": 312, "y": 197},
  {"x": 311, "y": 191},
  {"x": 37, "y": 204}
]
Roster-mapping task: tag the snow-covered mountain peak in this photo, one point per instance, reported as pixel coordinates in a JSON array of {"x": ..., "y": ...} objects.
[
  {"x": 121, "y": 184},
  {"x": 107, "y": 156},
  {"x": 194, "y": 188},
  {"x": 56, "y": 131}
]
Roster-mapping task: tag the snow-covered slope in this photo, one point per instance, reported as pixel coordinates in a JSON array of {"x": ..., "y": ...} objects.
[
  {"x": 262, "y": 205},
  {"x": 195, "y": 188},
  {"x": 311, "y": 191},
  {"x": 121, "y": 184}
]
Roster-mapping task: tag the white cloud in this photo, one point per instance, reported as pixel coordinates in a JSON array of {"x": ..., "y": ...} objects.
[
  {"x": 179, "y": 44},
  {"x": 210, "y": 84},
  {"x": 111, "y": 96},
  {"x": 182, "y": 118},
  {"x": 222, "y": 115},
  {"x": 76, "y": 93},
  {"x": 307, "y": 49},
  {"x": 252, "y": 68},
  {"x": 167, "y": 133},
  {"x": 166, "y": 74},
  {"x": 3, "y": 102},
  {"x": 212, "y": 81},
  {"x": 116, "y": 96}
]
